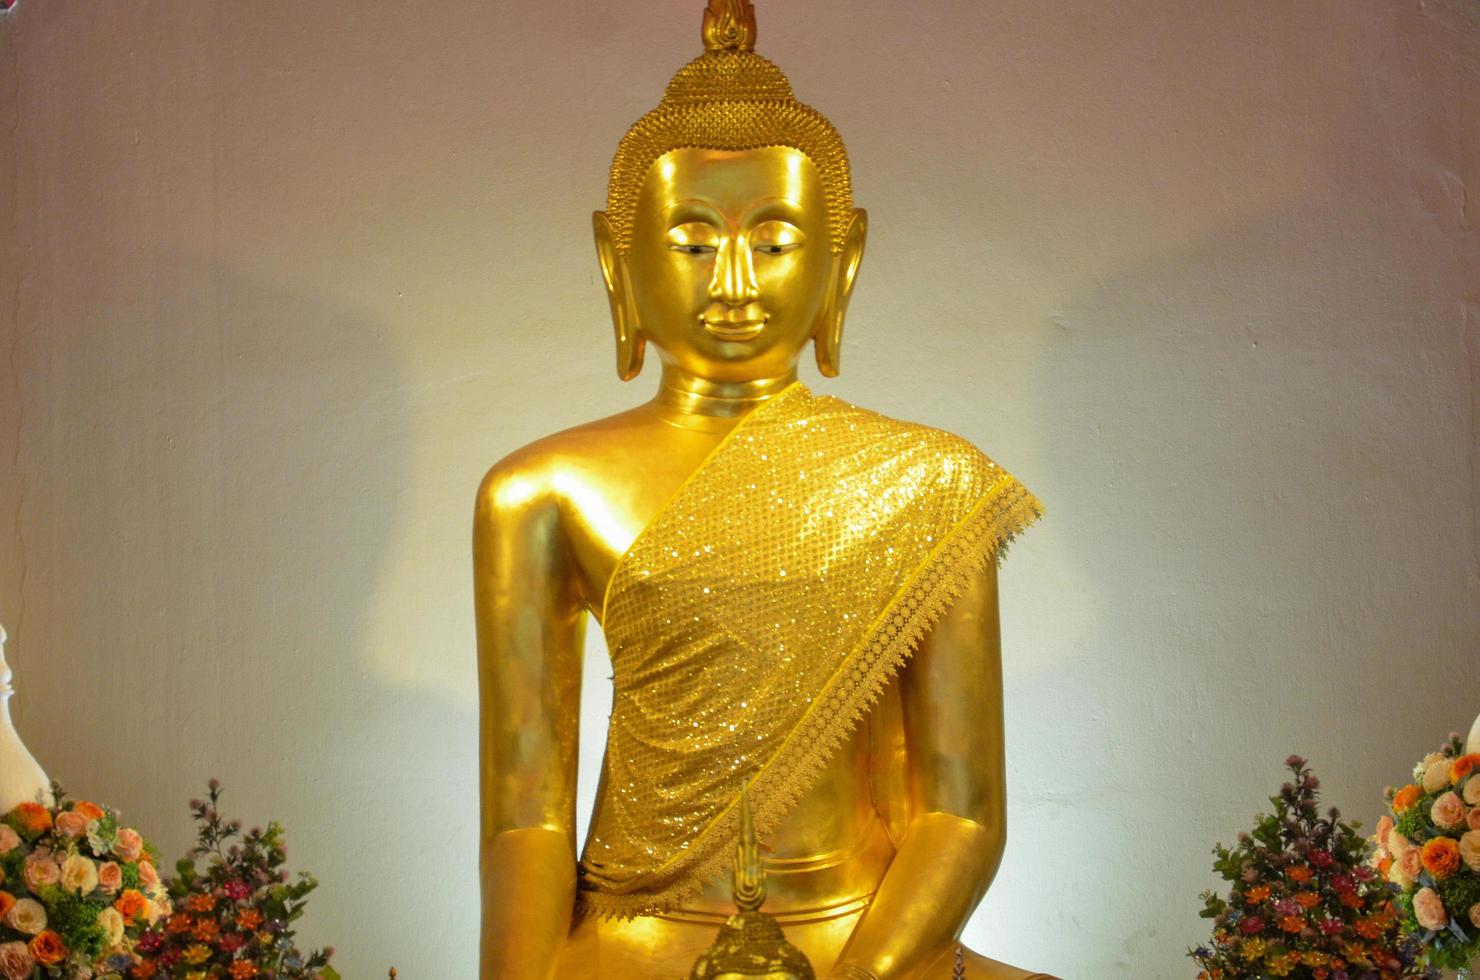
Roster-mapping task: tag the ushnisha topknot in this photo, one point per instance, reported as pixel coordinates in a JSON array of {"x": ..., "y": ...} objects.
[{"x": 729, "y": 98}]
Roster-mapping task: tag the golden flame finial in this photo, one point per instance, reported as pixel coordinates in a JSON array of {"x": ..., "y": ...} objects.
[
  {"x": 750, "y": 876},
  {"x": 750, "y": 945},
  {"x": 729, "y": 25}
]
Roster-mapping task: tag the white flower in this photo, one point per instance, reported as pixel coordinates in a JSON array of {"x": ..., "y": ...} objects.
[
  {"x": 26, "y": 915},
  {"x": 153, "y": 911},
  {"x": 79, "y": 875},
  {"x": 111, "y": 922},
  {"x": 100, "y": 843},
  {"x": 1436, "y": 776},
  {"x": 1472, "y": 792},
  {"x": 1398, "y": 877}
]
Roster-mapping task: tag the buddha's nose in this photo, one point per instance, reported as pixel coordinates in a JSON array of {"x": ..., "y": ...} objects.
[{"x": 734, "y": 274}]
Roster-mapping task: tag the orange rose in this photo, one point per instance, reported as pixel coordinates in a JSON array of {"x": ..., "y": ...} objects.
[
  {"x": 243, "y": 969},
  {"x": 1406, "y": 797},
  {"x": 1299, "y": 873},
  {"x": 89, "y": 810},
  {"x": 1307, "y": 900},
  {"x": 1441, "y": 857},
  {"x": 206, "y": 930},
  {"x": 1463, "y": 766},
  {"x": 144, "y": 969},
  {"x": 1258, "y": 893},
  {"x": 1292, "y": 923},
  {"x": 131, "y": 904},
  {"x": 33, "y": 817},
  {"x": 7, "y": 902},
  {"x": 47, "y": 948},
  {"x": 249, "y": 919}
]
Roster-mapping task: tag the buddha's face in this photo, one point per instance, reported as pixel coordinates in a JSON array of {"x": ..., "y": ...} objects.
[{"x": 731, "y": 270}]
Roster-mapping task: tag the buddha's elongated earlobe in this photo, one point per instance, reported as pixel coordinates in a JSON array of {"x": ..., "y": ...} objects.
[
  {"x": 828, "y": 340},
  {"x": 630, "y": 342}
]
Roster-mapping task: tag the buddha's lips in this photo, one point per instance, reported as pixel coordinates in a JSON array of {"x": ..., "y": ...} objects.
[{"x": 726, "y": 329}]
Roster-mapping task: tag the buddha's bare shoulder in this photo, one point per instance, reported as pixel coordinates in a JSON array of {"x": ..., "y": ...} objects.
[{"x": 549, "y": 470}]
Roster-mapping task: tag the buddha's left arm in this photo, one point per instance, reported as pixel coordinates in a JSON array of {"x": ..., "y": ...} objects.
[{"x": 952, "y": 698}]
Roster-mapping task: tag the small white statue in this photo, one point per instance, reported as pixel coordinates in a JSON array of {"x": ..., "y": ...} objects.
[
  {"x": 1473, "y": 745},
  {"x": 21, "y": 777}
]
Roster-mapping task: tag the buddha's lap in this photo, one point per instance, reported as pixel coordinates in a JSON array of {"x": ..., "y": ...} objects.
[{"x": 652, "y": 948}]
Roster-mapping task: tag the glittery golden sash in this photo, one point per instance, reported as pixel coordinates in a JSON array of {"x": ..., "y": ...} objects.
[{"x": 761, "y": 613}]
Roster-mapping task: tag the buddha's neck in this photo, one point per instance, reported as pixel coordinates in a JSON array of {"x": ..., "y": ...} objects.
[{"x": 684, "y": 395}]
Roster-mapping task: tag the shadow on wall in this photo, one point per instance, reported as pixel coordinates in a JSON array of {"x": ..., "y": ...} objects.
[
  {"x": 232, "y": 527},
  {"x": 1254, "y": 495}
]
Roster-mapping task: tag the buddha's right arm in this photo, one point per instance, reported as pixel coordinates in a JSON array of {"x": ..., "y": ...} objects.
[{"x": 530, "y": 625}]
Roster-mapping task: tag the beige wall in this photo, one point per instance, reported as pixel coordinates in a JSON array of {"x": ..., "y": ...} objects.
[{"x": 282, "y": 280}]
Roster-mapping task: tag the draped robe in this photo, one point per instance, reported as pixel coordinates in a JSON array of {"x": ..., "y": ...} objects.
[{"x": 760, "y": 614}]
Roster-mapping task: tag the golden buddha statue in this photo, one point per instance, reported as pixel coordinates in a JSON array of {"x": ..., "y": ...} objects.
[{"x": 799, "y": 596}]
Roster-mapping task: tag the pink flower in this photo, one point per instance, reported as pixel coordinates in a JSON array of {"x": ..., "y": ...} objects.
[
  {"x": 1384, "y": 827},
  {"x": 9, "y": 839},
  {"x": 1472, "y": 819},
  {"x": 1448, "y": 811},
  {"x": 1475, "y": 915},
  {"x": 128, "y": 845},
  {"x": 1469, "y": 850},
  {"x": 71, "y": 824},
  {"x": 1411, "y": 862},
  {"x": 40, "y": 870},
  {"x": 148, "y": 877},
  {"x": 16, "y": 962},
  {"x": 1428, "y": 908},
  {"x": 110, "y": 877}
]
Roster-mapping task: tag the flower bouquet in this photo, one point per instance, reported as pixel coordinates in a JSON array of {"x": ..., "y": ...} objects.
[
  {"x": 233, "y": 918},
  {"x": 1304, "y": 903},
  {"x": 1429, "y": 847},
  {"x": 79, "y": 889}
]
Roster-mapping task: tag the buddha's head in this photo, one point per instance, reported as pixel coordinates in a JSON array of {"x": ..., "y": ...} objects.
[{"x": 730, "y": 240}]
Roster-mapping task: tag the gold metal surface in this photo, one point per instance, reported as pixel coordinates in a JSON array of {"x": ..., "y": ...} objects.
[{"x": 730, "y": 243}]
